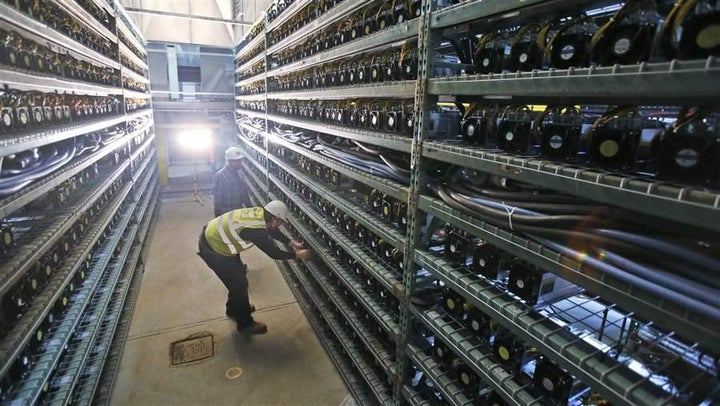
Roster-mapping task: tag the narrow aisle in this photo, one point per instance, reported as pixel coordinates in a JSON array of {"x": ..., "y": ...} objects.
[{"x": 180, "y": 297}]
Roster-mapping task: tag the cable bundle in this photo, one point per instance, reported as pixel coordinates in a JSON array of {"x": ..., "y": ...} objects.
[
  {"x": 601, "y": 237},
  {"x": 44, "y": 161},
  {"x": 382, "y": 163},
  {"x": 20, "y": 170}
]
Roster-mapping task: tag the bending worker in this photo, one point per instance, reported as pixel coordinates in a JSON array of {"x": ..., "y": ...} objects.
[
  {"x": 225, "y": 237},
  {"x": 230, "y": 191}
]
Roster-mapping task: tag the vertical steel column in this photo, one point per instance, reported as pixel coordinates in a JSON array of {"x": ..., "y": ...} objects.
[
  {"x": 266, "y": 143},
  {"x": 427, "y": 42}
]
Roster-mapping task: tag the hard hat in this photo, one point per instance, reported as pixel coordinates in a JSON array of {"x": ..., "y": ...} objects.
[
  {"x": 233, "y": 153},
  {"x": 277, "y": 209}
]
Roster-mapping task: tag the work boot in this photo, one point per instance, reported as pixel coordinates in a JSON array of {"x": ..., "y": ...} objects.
[
  {"x": 234, "y": 316},
  {"x": 255, "y": 328}
]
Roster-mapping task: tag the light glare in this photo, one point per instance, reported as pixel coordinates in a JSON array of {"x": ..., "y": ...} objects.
[{"x": 196, "y": 140}]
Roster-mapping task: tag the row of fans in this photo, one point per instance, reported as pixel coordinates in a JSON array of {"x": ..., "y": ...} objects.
[
  {"x": 21, "y": 110},
  {"x": 24, "y": 53},
  {"x": 371, "y": 243},
  {"x": 635, "y": 33},
  {"x": 546, "y": 378},
  {"x": 23, "y": 293},
  {"x": 365, "y": 21},
  {"x": 40, "y": 342},
  {"x": 387, "y": 66},
  {"x": 623, "y": 137},
  {"x": 57, "y": 18},
  {"x": 381, "y": 115}
]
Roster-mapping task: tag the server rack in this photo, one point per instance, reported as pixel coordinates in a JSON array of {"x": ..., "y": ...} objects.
[
  {"x": 363, "y": 300},
  {"x": 76, "y": 105}
]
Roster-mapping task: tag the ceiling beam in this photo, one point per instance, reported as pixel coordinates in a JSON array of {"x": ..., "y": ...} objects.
[
  {"x": 228, "y": 27},
  {"x": 187, "y": 16}
]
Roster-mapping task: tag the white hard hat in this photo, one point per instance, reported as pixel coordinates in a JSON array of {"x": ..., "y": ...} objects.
[
  {"x": 277, "y": 209},
  {"x": 233, "y": 153}
]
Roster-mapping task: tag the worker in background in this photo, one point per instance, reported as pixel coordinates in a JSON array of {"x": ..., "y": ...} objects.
[
  {"x": 230, "y": 191},
  {"x": 225, "y": 237}
]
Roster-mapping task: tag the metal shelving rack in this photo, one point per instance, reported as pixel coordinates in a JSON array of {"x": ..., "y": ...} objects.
[
  {"x": 588, "y": 360},
  {"x": 56, "y": 350}
]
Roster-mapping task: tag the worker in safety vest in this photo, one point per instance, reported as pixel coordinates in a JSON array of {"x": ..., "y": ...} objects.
[{"x": 225, "y": 237}]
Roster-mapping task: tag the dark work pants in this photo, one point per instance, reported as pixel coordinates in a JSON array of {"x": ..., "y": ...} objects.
[{"x": 231, "y": 272}]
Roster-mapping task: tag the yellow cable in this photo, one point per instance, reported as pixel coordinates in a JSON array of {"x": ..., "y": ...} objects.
[
  {"x": 682, "y": 14},
  {"x": 380, "y": 9}
]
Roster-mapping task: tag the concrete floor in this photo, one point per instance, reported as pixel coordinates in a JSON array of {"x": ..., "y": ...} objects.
[{"x": 179, "y": 297}]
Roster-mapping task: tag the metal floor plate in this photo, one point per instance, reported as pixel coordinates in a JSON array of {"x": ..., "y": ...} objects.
[{"x": 193, "y": 348}]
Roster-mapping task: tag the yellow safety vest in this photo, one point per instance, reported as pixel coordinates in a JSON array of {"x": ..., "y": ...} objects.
[{"x": 223, "y": 233}]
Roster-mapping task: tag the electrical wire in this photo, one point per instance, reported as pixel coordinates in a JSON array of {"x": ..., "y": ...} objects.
[
  {"x": 587, "y": 232},
  {"x": 54, "y": 160},
  {"x": 667, "y": 293}
]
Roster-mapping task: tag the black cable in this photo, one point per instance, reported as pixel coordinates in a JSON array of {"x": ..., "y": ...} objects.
[
  {"x": 546, "y": 208},
  {"x": 588, "y": 240}
]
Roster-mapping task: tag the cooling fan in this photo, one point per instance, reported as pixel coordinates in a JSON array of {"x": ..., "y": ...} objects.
[
  {"x": 613, "y": 146},
  {"x": 453, "y": 303},
  {"x": 508, "y": 350},
  {"x": 408, "y": 67},
  {"x": 7, "y": 118},
  {"x": 416, "y": 8},
  {"x": 559, "y": 130},
  {"x": 369, "y": 25},
  {"x": 442, "y": 352},
  {"x": 690, "y": 153},
  {"x": 375, "y": 118},
  {"x": 401, "y": 215},
  {"x": 352, "y": 75},
  {"x": 22, "y": 113},
  {"x": 525, "y": 52},
  {"x": 560, "y": 141},
  {"x": 408, "y": 122},
  {"x": 465, "y": 375},
  {"x": 485, "y": 261},
  {"x": 552, "y": 381},
  {"x": 353, "y": 118},
  {"x": 384, "y": 18},
  {"x": 524, "y": 282},
  {"x": 515, "y": 130},
  {"x": 375, "y": 201},
  {"x": 457, "y": 244},
  {"x": 392, "y": 70},
  {"x": 626, "y": 44},
  {"x": 571, "y": 45},
  {"x": 363, "y": 74},
  {"x": 628, "y": 37},
  {"x": 6, "y": 238},
  {"x": 692, "y": 30},
  {"x": 474, "y": 129},
  {"x": 490, "y": 53},
  {"x": 357, "y": 31},
  {"x": 492, "y": 398},
  {"x": 38, "y": 58},
  {"x": 388, "y": 215},
  {"x": 402, "y": 11},
  {"x": 273, "y": 12},
  {"x": 364, "y": 118},
  {"x": 479, "y": 323},
  {"x": 376, "y": 71}
]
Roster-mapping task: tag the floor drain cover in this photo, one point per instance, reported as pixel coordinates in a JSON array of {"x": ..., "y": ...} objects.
[{"x": 193, "y": 348}]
